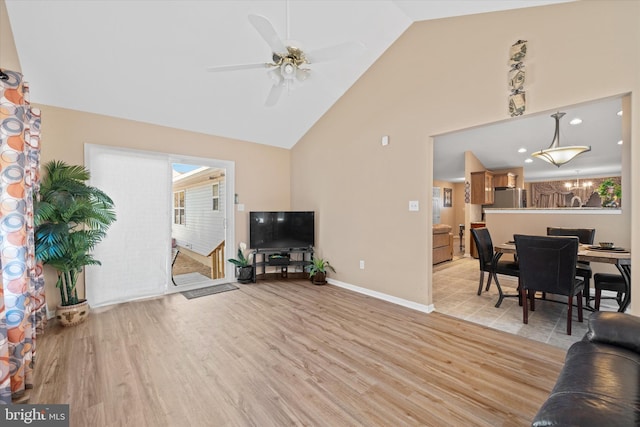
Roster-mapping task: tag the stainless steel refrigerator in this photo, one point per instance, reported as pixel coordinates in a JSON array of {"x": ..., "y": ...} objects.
[{"x": 509, "y": 198}]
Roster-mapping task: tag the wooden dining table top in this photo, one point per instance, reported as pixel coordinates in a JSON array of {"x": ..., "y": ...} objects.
[
  {"x": 585, "y": 253},
  {"x": 620, "y": 258}
]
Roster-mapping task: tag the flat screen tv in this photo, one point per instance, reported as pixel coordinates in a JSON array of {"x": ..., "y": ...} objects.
[{"x": 281, "y": 230}]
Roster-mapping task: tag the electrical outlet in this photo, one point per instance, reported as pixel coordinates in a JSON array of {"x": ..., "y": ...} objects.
[
  {"x": 414, "y": 205},
  {"x": 361, "y": 264}
]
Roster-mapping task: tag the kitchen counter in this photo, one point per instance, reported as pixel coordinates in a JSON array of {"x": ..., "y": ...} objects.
[
  {"x": 573, "y": 211},
  {"x": 504, "y": 223}
]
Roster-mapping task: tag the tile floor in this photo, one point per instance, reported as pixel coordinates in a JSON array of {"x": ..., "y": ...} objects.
[{"x": 455, "y": 287}]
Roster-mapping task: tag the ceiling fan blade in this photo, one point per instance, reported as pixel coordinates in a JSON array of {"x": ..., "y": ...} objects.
[
  {"x": 265, "y": 29},
  {"x": 335, "y": 52},
  {"x": 274, "y": 95},
  {"x": 216, "y": 69}
]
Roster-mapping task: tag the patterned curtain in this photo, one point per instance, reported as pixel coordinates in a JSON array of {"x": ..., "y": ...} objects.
[{"x": 22, "y": 302}]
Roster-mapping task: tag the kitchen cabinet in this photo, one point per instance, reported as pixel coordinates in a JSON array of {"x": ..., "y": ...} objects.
[
  {"x": 504, "y": 180},
  {"x": 482, "y": 188}
]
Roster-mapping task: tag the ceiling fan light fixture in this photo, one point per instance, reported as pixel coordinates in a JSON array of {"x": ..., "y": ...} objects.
[
  {"x": 557, "y": 155},
  {"x": 288, "y": 69}
]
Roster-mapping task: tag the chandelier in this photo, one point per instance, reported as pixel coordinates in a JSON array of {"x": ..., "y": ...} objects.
[
  {"x": 577, "y": 186},
  {"x": 557, "y": 155}
]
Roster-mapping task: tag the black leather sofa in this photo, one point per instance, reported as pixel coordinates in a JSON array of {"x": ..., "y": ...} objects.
[{"x": 599, "y": 384}]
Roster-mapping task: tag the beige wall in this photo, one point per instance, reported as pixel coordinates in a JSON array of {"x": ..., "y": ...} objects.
[
  {"x": 262, "y": 172},
  {"x": 442, "y": 76},
  {"x": 473, "y": 212},
  {"x": 472, "y": 164},
  {"x": 503, "y": 226},
  {"x": 447, "y": 215},
  {"x": 458, "y": 204}
]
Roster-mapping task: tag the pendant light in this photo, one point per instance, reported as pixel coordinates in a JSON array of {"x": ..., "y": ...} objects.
[{"x": 557, "y": 155}]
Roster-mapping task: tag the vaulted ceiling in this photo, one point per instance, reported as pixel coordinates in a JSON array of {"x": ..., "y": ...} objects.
[{"x": 146, "y": 60}]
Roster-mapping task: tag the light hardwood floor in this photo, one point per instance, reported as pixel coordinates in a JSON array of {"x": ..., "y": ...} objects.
[{"x": 289, "y": 353}]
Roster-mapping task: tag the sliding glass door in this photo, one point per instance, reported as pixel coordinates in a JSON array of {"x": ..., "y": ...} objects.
[{"x": 136, "y": 255}]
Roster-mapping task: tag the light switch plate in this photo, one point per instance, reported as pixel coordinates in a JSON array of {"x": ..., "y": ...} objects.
[
  {"x": 414, "y": 205},
  {"x": 240, "y": 207}
]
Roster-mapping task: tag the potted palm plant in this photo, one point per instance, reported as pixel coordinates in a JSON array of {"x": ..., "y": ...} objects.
[
  {"x": 318, "y": 270},
  {"x": 243, "y": 264},
  {"x": 70, "y": 219}
]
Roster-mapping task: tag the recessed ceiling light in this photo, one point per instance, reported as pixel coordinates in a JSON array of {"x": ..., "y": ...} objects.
[
  {"x": 575, "y": 121},
  {"x": 522, "y": 150},
  {"x": 620, "y": 142},
  {"x": 620, "y": 113},
  {"x": 528, "y": 161}
]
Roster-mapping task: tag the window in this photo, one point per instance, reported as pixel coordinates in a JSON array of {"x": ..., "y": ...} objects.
[
  {"x": 216, "y": 197},
  {"x": 178, "y": 207}
]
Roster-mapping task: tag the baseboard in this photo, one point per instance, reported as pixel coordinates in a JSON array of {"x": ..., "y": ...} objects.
[{"x": 379, "y": 295}]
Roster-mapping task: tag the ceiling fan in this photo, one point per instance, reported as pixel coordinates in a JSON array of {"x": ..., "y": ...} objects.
[{"x": 288, "y": 67}]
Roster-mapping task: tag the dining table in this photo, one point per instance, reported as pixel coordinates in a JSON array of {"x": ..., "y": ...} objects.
[{"x": 619, "y": 257}]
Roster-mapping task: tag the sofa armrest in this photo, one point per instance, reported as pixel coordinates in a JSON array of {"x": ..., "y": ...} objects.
[{"x": 622, "y": 330}]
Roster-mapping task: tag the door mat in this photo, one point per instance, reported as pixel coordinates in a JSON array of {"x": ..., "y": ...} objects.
[{"x": 210, "y": 290}]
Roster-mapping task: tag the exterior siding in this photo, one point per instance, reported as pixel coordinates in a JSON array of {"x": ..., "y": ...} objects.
[{"x": 203, "y": 229}]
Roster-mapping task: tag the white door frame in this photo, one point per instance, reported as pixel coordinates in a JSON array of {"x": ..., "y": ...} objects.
[
  {"x": 92, "y": 150},
  {"x": 229, "y": 167}
]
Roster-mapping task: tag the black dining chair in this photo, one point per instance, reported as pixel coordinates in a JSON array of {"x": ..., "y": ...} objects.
[
  {"x": 586, "y": 236},
  {"x": 484, "y": 244},
  {"x": 609, "y": 282},
  {"x": 548, "y": 265}
]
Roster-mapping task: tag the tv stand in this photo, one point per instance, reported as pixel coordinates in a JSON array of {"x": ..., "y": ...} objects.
[{"x": 282, "y": 260}]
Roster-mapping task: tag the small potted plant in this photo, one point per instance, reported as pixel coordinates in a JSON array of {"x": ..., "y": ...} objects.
[
  {"x": 70, "y": 218},
  {"x": 610, "y": 193},
  {"x": 243, "y": 264},
  {"x": 318, "y": 270}
]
